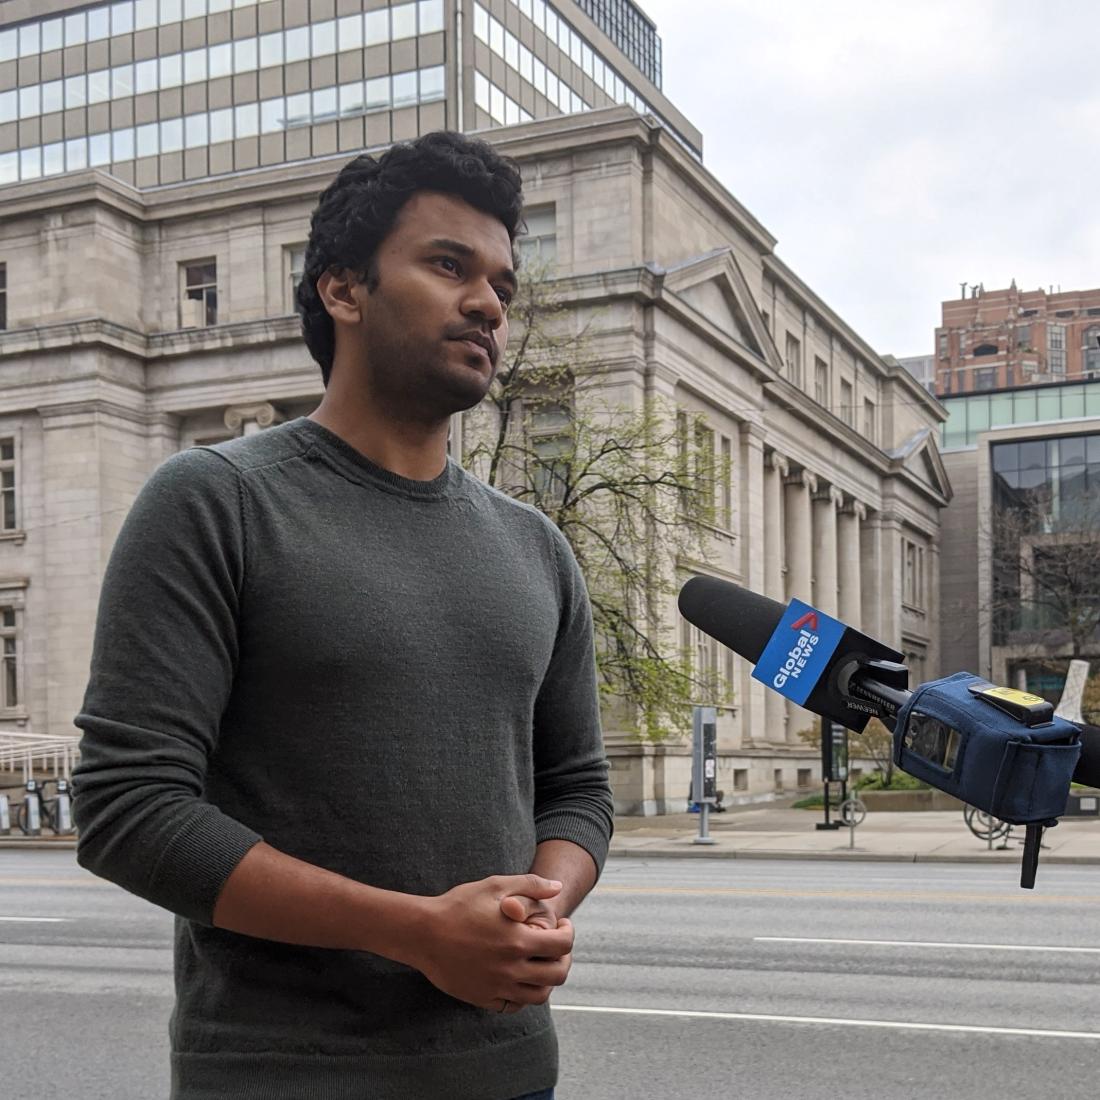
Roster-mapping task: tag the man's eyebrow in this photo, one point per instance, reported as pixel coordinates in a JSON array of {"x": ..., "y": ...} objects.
[{"x": 460, "y": 249}]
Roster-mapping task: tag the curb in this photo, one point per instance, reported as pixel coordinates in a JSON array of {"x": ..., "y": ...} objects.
[{"x": 843, "y": 855}]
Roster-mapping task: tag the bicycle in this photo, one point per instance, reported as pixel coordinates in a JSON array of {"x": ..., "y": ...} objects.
[
  {"x": 984, "y": 825},
  {"x": 49, "y": 809}
]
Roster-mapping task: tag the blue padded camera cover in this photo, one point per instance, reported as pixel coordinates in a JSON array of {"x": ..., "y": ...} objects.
[{"x": 961, "y": 744}]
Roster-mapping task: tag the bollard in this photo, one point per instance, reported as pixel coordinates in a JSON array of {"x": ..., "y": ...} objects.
[
  {"x": 5, "y": 815},
  {"x": 64, "y": 821},
  {"x": 32, "y": 810}
]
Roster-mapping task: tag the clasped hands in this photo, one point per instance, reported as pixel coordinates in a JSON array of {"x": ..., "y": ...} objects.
[{"x": 497, "y": 943}]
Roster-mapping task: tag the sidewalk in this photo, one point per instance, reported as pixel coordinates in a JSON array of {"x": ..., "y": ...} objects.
[{"x": 777, "y": 832}]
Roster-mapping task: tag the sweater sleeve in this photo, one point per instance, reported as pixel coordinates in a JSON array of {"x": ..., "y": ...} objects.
[
  {"x": 572, "y": 792},
  {"x": 162, "y": 669}
]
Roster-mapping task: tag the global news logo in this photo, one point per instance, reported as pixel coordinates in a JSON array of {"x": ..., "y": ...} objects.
[{"x": 801, "y": 653}]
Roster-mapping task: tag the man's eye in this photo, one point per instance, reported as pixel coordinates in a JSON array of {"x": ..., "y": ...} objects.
[
  {"x": 505, "y": 297},
  {"x": 448, "y": 263}
]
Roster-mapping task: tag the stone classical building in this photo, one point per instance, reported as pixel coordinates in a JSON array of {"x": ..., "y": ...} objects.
[{"x": 148, "y": 307}]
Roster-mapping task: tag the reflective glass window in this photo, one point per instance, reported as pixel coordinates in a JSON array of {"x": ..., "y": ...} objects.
[
  {"x": 30, "y": 101},
  {"x": 297, "y": 44},
  {"x": 145, "y": 76},
  {"x": 53, "y": 159},
  {"x": 148, "y": 139},
  {"x": 171, "y": 70},
  {"x": 76, "y": 91},
  {"x": 351, "y": 98},
  {"x": 271, "y": 49},
  {"x": 171, "y": 135},
  {"x": 324, "y": 38},
  {"x": 481, "y": 92},
  {"x": 9, "y": 167},
  {"x": 75, "y": 26},
  {"x": 30, "y": 163},
  {"x": 145, "y": 14},
  {"x": 272, "y": 114},
  {"x": 350, "y": 32},
  {"x": 194, "y": 65},
  {"x": 53, "y": 97},
  {"x": 324, "y": 103},
  {"x": 122, "y": 81},
  {"x": 122, "y": 17},
  {"x": 403, "y": 21},
  {"x": 430, "y": 14},
  {"x": 53, "y": 35},
  {"x": 376, "y": 27},
  {"x": 511, "y": 50},
  {"x": 76, "y": 154},
  {"x": 246, "y": 122},
  {"x": 99, "y": 24},
  {"x": 378, "y": 92},
  {"x": 29, "y": 39},
  {"x": 526, "y": 59},
  {"x": 193, "y": 9},
  {"x": 244, "y": 55},
  {"x": 496, "y": 103},
  {"x": 99, "y": 86},
  {"x": 221, "y": 125},
  {"x": 496, "y": 36},
  {"x": 220, "y": 61},
  {"x": 431, "y": 83},
  {"x": 122, "y": 144},
  {"x": 9, "y": 45},
  {"x": 99, "y": 150},
  {"x": 481, "y": 23},
  {"x": 195, "y": 131},
  {"x": 171, "y": 11},
  {"x": 215, "y": 6},
  {"x": 297, "y": 108},
  {"x": 9, "y": 106},
  {"x": 404, "y": 89}
]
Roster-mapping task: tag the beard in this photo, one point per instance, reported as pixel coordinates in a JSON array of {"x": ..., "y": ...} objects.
[{"x": 423, "y": 379}]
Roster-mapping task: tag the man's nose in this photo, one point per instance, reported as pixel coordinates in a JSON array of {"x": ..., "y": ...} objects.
[{"x": 484, "y": 303}]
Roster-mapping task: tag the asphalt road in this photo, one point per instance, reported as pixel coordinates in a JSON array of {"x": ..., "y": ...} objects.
[{"x": 693, "y": 977}]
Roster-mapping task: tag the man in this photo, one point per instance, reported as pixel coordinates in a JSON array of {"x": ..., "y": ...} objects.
[{"x": 342, "y": 716}]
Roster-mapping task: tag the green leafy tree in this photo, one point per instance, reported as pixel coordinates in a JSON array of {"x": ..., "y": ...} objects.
[{"x": 631, "y": 489}]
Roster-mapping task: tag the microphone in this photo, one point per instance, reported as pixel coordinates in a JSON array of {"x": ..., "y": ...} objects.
[
  {"x": 823, "y": 665},
  {"x": 996, "y": 748}
]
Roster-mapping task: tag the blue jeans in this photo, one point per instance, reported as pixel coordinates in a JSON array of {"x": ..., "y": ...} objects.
[{"x": 546, "y": 1094}]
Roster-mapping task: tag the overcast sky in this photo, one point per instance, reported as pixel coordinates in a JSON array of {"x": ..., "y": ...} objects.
[{"x": 896, "y": 149}]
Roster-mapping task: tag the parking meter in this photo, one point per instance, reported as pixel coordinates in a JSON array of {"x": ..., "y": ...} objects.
[
  {"x": 704, "y": 765},
  {"x": 32, "y": 809}
]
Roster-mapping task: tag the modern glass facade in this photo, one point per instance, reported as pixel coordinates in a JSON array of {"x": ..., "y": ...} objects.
[
  {"x": 1045, "y": 534},
  {"x": 981, "y": 412},
  {"x": 630, "y": 30}
]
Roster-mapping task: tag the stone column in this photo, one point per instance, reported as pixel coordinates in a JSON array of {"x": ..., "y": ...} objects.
[
  {"x": 799, "y": 485},
  {"x": 751, "y": 694},
  {"x": 249, "y": 419},
  {"x": 849, "y": 522},
  {"x": 871, "y": 574},
  {"x": 825, "y": 503},
  {"x": 776, "y": 468}
]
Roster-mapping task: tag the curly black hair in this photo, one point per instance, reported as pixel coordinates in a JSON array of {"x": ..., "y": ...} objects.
[{"x": 358, "y": 209}]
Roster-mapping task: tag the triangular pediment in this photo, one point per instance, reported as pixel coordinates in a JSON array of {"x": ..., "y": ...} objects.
[
  {"x": 713, "y": 286},
  {"x": 920, "y": 456}
]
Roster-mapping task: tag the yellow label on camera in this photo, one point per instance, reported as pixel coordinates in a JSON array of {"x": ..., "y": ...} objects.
[{"x": 1012, "y": 695}]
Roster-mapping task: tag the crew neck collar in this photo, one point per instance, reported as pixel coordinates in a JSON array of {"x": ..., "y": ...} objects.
[{"x": 356, "y": 465}]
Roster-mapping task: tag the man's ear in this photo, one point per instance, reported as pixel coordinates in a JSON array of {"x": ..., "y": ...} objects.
[{"x": 338, "y": 289}]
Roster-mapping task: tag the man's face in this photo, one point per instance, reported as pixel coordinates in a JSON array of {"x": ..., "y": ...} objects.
[{"x": 436, "y": 323}]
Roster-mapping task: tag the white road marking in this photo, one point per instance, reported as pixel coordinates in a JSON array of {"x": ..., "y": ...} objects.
[
  {"x": 930, "y": 943},
  {"x": 899, "y": 1025},
  {"x": 36, "y": 920}
]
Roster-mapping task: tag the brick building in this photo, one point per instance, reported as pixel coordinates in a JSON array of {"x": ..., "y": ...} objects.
[{"x": 996, "y": 339}]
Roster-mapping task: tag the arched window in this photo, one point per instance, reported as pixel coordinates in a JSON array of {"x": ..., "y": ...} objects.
[{"x": 985, "y": 349}]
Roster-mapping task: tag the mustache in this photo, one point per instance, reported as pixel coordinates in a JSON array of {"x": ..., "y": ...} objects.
[{"x": 478, "y": 336}]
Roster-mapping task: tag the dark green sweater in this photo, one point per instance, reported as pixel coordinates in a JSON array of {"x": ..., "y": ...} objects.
[{"x": 391, "y": 679}]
